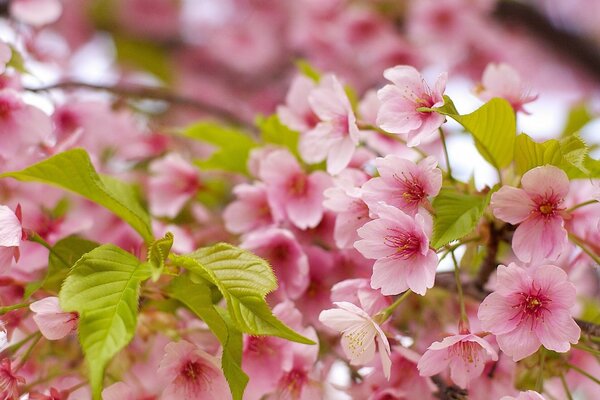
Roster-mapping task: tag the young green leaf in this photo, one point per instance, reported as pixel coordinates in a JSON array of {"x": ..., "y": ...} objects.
[
  {"x": 197, "y": 297},
  {"x": 456, "y": 215},
  {"x": 308, "y": 70},
  {"x": 233, "y": 146},
  {"x": 578, "y": 117},
  {"x": 273, "y": 131},
  {"x": 158, "y": 253},
  {"x": 72, "y": 170},
  {"x": 530, "y": 154},
  {"x": 103, "y": 287},
  {"x": 493, "y": 126},
  {"x": 244, "y": 279}
]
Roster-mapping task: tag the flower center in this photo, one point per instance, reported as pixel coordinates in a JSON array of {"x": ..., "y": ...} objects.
[
  {"x": 406, "y": 243},
  {"x": 412, "y": 190},
  {"x": 548, "y": 206},
  {"x": 298, "y": 185},
  {"x": 292, "y": 383},
  {"x": 466, "y": 350},
  {"x": 532, "y": 305},
  {"x": 191, "y": 370}
]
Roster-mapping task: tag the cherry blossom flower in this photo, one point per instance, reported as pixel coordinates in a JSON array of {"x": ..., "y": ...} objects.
[
  {"x": 193, "y": 373},
  {"x": 292, "y": 192},
  {"x": 400, "y": 245},
  {"x": 297, "y": 113},
  {"x": 36, "y": 12},
  {"x": 530, "y": 307},
  {"x": 281, "y": 249},
  {"x": 51, "y": 320},
  {"x": 465, "y": 354},
  {"x": 528, "y": 395},
  {"x": 55, "y": 394},
  {"x": 359, "y": 292},
  {"x": 173, "y": 183},
  {"x": 352, "y": 212},
  {"x": 401, "y": 100},
  {"x": 250, "y": 211},
  {"x": 5, "y": 56},
  {"x": 537, "y": 208},
  {"x": 359, "y": 334},
  {"x": 22, "y": 126},
  {"x": 9, "y": 381},
  {"x": 402, "y": 183},
  {"x": 336, "y": 136},
  {"x": 501, "y": 80},
  {"x": 11, "y": 234}
]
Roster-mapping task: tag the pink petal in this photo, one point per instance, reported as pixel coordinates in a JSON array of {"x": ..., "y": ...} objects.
[
  {"x": 539, "y": 238},
  {"x": 11, "y": 231},
  {"x": 315, "y": 144},
  {"x": 557, "y": 330},
  {"x": 389, "y": 277},
  {"x": 55, "y": 326},
  {"x": 496, "y": 315},
  {"x": 511, "y": 205},
  {"x": 433, "y": 362},
  {"x": 519, "y": 343},
  {"x": 554, "y": 283},
  {"x": 36, "y": 12},
  {"x": 421, "y": 272},
  {"x": 339, "y": 155},
  {"x": 546, "y": 180},
  {"x": 342, "y": 319}
]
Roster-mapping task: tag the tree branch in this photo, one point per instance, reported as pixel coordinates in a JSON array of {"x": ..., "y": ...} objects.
[
  {"x": 448, "y": 392},
  {"x": 490, "y": 263},
  {"x": 153, "y": 93}
]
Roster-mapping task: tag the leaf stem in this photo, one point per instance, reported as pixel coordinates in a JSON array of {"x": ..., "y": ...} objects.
[
  {"x": 443, "y": 138},
  {"x": 4, "y": 310},
  {"x": 539, "y": 383},
  {"x": 459, "y": 289},
  {"x": 581, "y": 243},
  {"x": 384, "y": 314},
  {"x": 27, "y": 353},
  {"x": 565, "y": 386},
  {"x": 587, "y": 349},
  {"x": 584, "y": 373},
  {"x": 576, "y": 206}
]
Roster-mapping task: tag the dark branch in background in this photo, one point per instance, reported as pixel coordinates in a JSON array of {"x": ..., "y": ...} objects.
[
  {"x": 490, "y": 263},
  {"x": 565, "y": 44},
  {"x": 152, "y": 93},
  {"x": 448, "y": 392}
]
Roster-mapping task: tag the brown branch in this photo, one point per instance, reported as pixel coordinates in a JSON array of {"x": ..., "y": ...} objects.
[
  {"x": 448, "y": 392},
  {"x": 153, "y": 93},
  {"x": 490, "y": 263}
]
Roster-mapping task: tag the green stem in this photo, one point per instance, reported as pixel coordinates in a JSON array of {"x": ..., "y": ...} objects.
[
  {"x": 585, "y": 203},
  {"x": 463, "y": 313},
  {"x": 13, "y": 348},
  {"x": 384, "y": 314},
  {"x": 4, "y": 310},
  {"x": 27, "y": 353},
  {"x": 539, "y": 383},
  {"x": 35, "y": 237},
  {"x": 443, "y": 138},
  {"x": 565, "y": 386},
  {"x": 587, "y": 349},
  {"x": 581, "y": 243},
  {"x": 582, "y": 372}
]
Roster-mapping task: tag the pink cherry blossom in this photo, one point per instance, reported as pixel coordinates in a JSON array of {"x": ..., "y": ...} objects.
[
  {"x": 502, "y": 80},
  {"x": 297, "y": 113},
  {"x": 465, "y": 354},
  {"x": 51, "y": 320},
  {"x": 36, "y": 12},
  {"x": 23, "y": 127},
  {"x": 352, "y": 212},
  {"x": 336, "y": 136},
  {"x": 530, "y": 307},
  {"x": 281, "y": 249},
  {"x": 528, "y": 395},
  {"x": 359, "y": 292},
  {"x": 537, "y": 207},
  {"x": 250, "y": 211},
  {"x": 359, "y": 334},
  {"x": 401, "y": 100},
  {"x": 193, "y": 373},
  {"x": 11, "y": 234},
  {"x": 291, "y": 191},
  {"x": 173, "y": 183},
  {"x": 403, "y": 184},
  {"x": 400, "y": 245},
  {"x": 9, "y": 381}
]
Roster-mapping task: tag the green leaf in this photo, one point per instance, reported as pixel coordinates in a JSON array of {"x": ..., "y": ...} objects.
[
  {"x": 530, "y": 154},
  {"x": 143, "y": 54},
  {"x": 62, "y": 257},
  {"x": 574, "y": 151},
  {"x": 16, "y": 60},
  {"x": 103, "y": 287},
  {"x": 158, "y": 253},
  {"x": 244, "y": 279},
  {"x": 308, "y": 70},
  {"x": 578, "y": 117},
  {"x": 72, "y": 170},
  {"x": 274, "y": 132},
  {"x": 233, "y": 146},
  {"x": 493, "y": 126},
  {"x": 197, "y": 297},
  {"x": 456, "y": 215}
]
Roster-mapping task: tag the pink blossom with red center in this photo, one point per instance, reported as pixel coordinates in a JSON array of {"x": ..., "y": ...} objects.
[
  {"x": 502, "y": 80},
  {"x": 11, "y": 235},
  {"x": 465, "y": 355},
  {"x": 292, "y": 192},
  {"x": 403, "y": 184},
  {"x": 250, "y": 211},
  {"x": 297, "y": 113},
  {"x": 400, "y": 102},
  {"x": 51, "y": 320},
  {"x": 173, "y": 183},
  {"x": 537, "y": 208},
  {"x": 9, "y": 381},
  {"x": 400, "y": 246},
  {"x": 531, "y": 307},
  {"x": 528, "y": 395},
  {"x": 193, "y": 373},
  {"x": 352, "y": 212},
  {"x": 282, "y": 250},
  {"x": 336, "y": 135}
]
